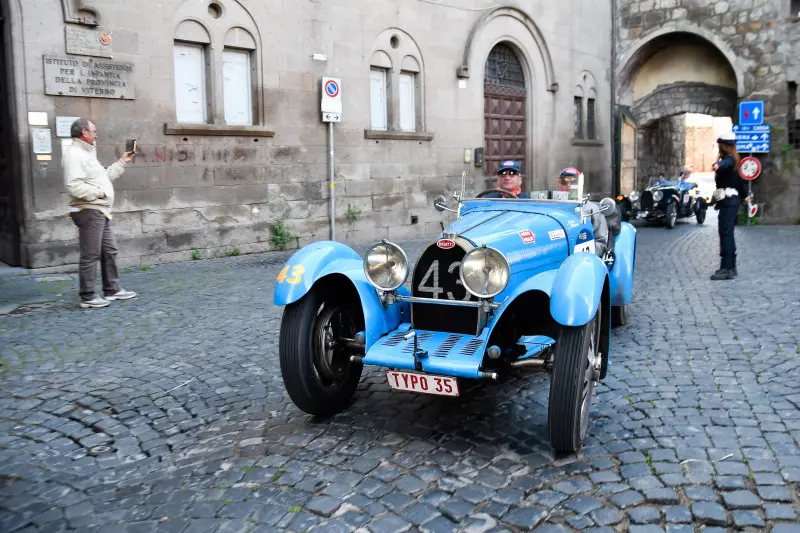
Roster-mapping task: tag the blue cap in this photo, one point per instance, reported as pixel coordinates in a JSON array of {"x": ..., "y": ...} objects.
[{"x": 509, "y": 165}]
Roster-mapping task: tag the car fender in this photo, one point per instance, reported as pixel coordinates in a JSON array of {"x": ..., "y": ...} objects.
[
  {"x": 577, "y": 289},
  {"x": 621, "y": 275},
  {"x": 320, "y": 260},
  {"x": 539, "y": 282}
]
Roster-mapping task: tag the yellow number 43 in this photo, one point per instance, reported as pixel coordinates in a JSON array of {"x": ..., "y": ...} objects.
[{"x": 296, "y": 276}]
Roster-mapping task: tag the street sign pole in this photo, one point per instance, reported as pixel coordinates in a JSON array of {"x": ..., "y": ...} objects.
[
  {"x": 330, "y": 176},
  {"x": 749, "y": 169},
  {"x": 331, "y": 107}
]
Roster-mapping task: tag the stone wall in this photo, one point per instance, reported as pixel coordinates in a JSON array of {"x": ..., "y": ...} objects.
[
  {"x": 216, "y": 187},
  {"x": 759, "y": 39},
  {"x": 661, "y": 149}
]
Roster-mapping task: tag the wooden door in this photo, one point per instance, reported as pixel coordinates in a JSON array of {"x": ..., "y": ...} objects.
[{"x": 505, "y": 129}]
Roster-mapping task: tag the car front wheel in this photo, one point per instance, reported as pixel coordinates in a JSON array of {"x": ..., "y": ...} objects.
[
  {"x": 576, "y": 366},
  {"x": 315, "y": 364},
  {"x": 671, "y": 215}
]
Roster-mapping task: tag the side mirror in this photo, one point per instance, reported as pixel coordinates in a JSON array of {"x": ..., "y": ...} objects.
[{"x": 440, "y": 203}]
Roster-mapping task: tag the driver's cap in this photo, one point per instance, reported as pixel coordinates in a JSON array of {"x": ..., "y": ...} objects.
[
  {"x": 727, "y": 138},
  {"x": 509, "y": 165},
  {"x": 571, "y": 171}
]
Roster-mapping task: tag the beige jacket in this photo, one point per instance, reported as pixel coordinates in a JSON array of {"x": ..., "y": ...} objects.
[{"x": 88, "y": 183}]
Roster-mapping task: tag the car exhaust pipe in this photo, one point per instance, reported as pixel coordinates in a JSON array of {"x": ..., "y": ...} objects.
[
  {"x": 530, "y": 364},
  {"x": 356, "y": 358},
  {"x": 488, "y": 375}
]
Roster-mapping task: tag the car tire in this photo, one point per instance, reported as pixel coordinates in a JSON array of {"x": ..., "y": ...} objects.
[
  {"x": 701, "y": 215},
  {"x": 671, "y": 216},
  {"x": 318, "y": 384},
  {"x": 572, "y": 385},
  {"x": 619, "y": 316}
]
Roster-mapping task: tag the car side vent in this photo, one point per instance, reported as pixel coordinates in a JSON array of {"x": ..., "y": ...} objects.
[
  {"x": 421, "y": 338},
  {"x": 394, "y": 340},
  {"x": 472, "y": 347},
  {"x": 446, "y": 346}
]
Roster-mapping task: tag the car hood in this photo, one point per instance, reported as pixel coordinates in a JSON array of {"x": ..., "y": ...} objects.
[{"x": 527, "y": 239}]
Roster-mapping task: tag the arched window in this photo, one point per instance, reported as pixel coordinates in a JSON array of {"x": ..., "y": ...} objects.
[
  {"x": 503, "y": 68},
  {"x": 216, "y": 65},
  {"x": 585, "y": 104},
  {"x": 396, "y": 84}
]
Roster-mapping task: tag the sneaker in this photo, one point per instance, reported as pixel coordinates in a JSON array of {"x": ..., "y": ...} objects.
[
  {"x": 121, "y": 294},
  {"x": 722, "y": 274},
  {"x": 94, "y": 303}
]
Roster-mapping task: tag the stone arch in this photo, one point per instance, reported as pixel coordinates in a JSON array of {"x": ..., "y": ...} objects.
[
  {"x": 532, "y": 29},
  {"x": 645, "y": 46},
  {"x": 681, "y": 98}
]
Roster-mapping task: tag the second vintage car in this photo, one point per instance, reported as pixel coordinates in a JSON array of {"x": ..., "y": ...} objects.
[
  {"x": 666, "y": 202},
  {"x": 510, "y": 285}
]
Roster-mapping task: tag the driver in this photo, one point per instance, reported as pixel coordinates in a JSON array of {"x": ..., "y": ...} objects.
[
  {"x": 683, "y": 181},
  {"x": 509, "y": 178}
]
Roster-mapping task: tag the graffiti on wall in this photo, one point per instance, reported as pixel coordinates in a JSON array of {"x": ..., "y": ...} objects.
[{"x": 182, "y": 154}]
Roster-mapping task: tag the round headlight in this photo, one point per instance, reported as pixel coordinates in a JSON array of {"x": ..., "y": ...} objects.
[
  {"x": 634, "y": 196},
  {"x": 657, "y": 196},
  {"x": 386, "y": 266},
  {"x": 484, "y": 272}
]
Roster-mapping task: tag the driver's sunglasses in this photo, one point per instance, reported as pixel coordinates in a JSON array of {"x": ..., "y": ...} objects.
[{"x": 509, "y": 173}]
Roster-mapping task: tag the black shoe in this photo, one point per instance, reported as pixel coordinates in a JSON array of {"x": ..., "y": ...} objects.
[{"x": 722, "y": 274}]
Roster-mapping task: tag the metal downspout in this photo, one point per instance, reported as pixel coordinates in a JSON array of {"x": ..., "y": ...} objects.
[{"x": 615, "y": 119}]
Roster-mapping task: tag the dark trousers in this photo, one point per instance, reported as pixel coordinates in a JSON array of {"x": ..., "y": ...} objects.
[
  {"x": 728, "y": 211},
  {"x": 97, "y": 243}
]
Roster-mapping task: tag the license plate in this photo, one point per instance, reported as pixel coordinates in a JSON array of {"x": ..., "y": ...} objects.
[{"x": 422, "y": 383}]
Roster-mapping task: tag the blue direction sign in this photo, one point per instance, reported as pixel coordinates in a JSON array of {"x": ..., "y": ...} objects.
[
  {"x": 751, "y": 113},
  {"x": 752, "y": 139}
]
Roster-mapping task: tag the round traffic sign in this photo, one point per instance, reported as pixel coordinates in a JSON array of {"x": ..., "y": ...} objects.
[
  {"x": 750, "y": 168},
  {"x": 331, "y": 88}
]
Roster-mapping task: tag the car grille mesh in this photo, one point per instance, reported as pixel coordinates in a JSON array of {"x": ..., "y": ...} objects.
[
  {"x": 646, "y": 201},
  {"x": 436, "y": 275}
]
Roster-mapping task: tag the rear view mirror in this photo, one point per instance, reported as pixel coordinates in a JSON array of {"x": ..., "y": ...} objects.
[{"x": 440, "y": 203}]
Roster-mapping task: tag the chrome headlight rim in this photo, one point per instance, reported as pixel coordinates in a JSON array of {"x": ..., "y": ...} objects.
[
  {"x": 484, "y": 248},
  {"x": 657, "y": 196},
  {"x": 406, "y": 268},
  {"x": 634, "y": 195}
]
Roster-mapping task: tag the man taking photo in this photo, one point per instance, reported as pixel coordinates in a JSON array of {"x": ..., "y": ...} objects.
[{"x": 92, "y": 197}]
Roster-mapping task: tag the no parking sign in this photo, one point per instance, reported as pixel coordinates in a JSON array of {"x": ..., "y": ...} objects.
[{"x": 331, "y": 99}]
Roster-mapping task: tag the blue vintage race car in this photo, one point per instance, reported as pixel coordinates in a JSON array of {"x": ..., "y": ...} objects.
[{"x": 511, "y": 284}]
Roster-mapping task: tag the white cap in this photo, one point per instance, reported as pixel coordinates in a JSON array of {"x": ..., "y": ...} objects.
[{"x": 727, "y": 138}]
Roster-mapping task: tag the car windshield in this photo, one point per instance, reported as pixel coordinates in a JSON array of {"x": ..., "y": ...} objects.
[{"x": 655, "y": 183}]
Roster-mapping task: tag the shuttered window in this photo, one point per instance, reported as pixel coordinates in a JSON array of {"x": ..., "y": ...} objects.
[
  {"x": 408, "y": 108},
  {"x": 377, "y": 99},
  {"x": 190, "y": 83},
  {"x": 237, "y": 87}
]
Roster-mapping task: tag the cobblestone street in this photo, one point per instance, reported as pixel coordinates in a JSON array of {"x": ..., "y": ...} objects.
[{"x": 168, "y": 413}]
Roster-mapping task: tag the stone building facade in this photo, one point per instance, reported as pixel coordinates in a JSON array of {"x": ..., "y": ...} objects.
[
  {"x": 223, "y": 97},
  {"x": 679, "y": 56}
]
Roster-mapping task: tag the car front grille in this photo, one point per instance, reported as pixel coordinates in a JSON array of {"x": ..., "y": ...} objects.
[
  {"x": 436, "y": 275},
  {"x": 646, "y": 201}
]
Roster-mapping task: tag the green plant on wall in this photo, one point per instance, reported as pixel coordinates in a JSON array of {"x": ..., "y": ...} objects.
[
  {"x": 195, "y": 255},
  {"x": 280, "y": 235},
  {"x": 353, "y": 213}
]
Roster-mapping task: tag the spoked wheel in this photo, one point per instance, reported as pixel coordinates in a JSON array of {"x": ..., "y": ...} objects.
[
  {"x": 576, "y": 366},
  {"x": 671, "y": 215},
  {"x": 315, "y": 365}
]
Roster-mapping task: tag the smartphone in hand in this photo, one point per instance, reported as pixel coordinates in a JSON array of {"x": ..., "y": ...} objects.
[{"x": 130, "y": 145}]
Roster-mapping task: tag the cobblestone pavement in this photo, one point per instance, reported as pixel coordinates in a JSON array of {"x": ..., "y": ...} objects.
[{"x": 167, "y": 413}]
